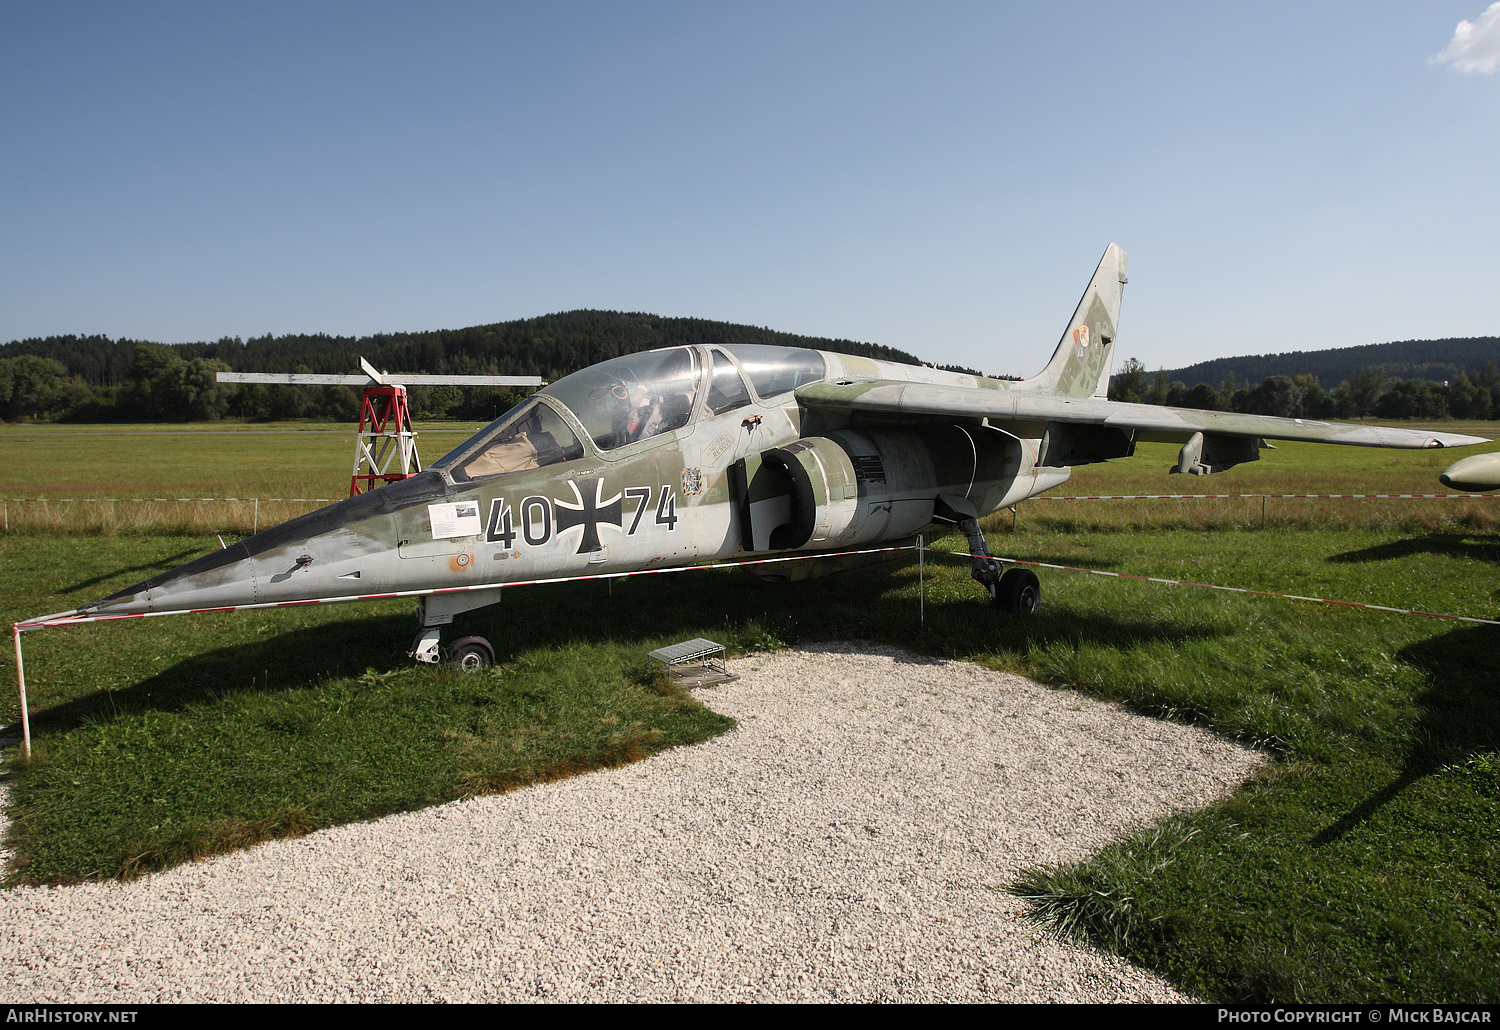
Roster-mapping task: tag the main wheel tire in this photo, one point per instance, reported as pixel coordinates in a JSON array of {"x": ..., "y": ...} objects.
[
  {"x": 1019, "y": 591},
  {"x": 470, "y": 654}
]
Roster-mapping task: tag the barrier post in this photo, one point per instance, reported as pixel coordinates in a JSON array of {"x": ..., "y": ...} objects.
[
  {"x": 921, "y": 582},
  {"x": 15, "y": 632}
]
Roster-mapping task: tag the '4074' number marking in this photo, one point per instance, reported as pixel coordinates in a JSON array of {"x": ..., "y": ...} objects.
[{"x": 538, "y": 516}]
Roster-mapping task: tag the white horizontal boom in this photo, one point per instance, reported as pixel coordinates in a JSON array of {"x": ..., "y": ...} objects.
[{"x": 387, "y": 379}]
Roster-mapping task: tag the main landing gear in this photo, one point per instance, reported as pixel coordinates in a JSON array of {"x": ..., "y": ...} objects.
[{"x": 1018, "y": 590}]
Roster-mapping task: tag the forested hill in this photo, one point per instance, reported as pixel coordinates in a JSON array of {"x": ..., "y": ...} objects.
[
  {"x": 550, "y": 346},
  {"x": 1437, "y": 360}
]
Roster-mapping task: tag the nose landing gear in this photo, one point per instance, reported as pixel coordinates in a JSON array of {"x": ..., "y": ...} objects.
[
  {"x": 470, "y": 654},
  {"x": 434, "y": 612},
  {"x": 467, "y": 654}
]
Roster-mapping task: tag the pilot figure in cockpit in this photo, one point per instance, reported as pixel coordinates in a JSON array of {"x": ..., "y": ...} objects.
[{"x": 647, "y": 412}]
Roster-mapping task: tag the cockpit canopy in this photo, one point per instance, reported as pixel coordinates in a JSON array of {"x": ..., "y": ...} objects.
[
  {"x": 625, "y": 400},
  {"x": 777, "y": 370},
  {"x": 633, "y": 397},
  {"x": 529, "y": 436}
]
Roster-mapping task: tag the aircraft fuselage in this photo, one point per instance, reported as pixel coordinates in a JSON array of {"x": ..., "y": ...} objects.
[{"x": 703, "y": 492}]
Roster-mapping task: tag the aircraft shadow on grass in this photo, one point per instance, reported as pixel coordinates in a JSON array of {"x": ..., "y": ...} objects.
[
  {"x": 296, "y": 660},
  {"x": 1460, "y": 716},
  {"x": 1480, "y": 547},
  {"x": 160, "y": 565},
  {"x": 640, "y": 613}
]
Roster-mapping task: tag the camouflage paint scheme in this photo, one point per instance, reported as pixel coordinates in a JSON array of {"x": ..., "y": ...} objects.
[{"x": 864, "y": 453}]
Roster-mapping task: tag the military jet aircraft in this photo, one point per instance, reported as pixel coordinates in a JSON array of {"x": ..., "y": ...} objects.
[{"x": 693, "y": 454}]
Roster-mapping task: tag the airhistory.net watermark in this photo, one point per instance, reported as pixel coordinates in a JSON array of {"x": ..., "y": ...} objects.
[{"x": 53, "y": 1014}]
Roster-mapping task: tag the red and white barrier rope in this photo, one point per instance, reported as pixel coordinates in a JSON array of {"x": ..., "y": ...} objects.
[
  {"x": 45, "y": 621},
  {"x": 72, "y": 620},
  {"x": 124, "y": 500},
  {"x": 1231, "y": 590},
  {"x": 1041, "y": 497},
  {"x": 1200, "y": 497}
]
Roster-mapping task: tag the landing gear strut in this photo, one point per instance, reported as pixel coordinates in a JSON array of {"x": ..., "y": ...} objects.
[
  {"x": 1018, "y": 590},
  {"x": 468, "y": 654},
  {"x": 427, "y": 646}
]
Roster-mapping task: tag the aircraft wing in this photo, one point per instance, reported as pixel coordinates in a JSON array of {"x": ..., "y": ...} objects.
[{"x": 1145, "y": 421}]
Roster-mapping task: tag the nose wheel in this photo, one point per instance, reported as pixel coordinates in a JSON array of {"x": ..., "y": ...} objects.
[
  {"x": 470, "y": 654},
  {"x": 467, "y": 654}
]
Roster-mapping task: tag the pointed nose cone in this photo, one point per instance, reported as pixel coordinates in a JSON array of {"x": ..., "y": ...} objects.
[
  {"x": 1478, "y": 473},
  {"x": 220, "y": 579},
  {"x": 327, "y": 553}
]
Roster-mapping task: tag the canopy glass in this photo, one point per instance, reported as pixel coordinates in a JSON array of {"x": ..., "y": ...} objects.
[{"x": 624, "y": 400}]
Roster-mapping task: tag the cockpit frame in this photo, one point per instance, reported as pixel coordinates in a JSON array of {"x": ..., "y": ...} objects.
[{"x": 638, "y": 395}]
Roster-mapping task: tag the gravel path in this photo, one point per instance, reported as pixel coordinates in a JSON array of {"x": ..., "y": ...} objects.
[{"x": 849, "y": 841}]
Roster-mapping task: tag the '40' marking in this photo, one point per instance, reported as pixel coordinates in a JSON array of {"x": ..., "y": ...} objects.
[{"x": 540, "y": 518}]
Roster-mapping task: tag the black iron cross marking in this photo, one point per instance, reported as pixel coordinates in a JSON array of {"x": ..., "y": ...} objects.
[{"x": 589, "y": 512}]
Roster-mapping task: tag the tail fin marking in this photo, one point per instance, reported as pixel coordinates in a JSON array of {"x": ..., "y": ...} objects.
[{"x": 1081, "y": 365}]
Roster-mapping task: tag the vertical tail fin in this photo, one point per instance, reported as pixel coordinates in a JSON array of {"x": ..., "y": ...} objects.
[{"x": 1081, "y": 364}]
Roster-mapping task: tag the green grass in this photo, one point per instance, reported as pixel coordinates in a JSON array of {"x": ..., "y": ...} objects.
[
  {"x": 167, "y": 740},
  {"x": 175, "y": 768},
  {"x": 193, "y": 460},
  {"x": 303, "y": 459},
  {"x": 1362, "y": 865},
  {"x": 222, "y": 459}
]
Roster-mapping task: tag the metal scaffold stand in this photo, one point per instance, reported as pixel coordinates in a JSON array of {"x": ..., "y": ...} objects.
[
  {"x": 385, "y": 447},
  {"x": 385, "y": 435}
]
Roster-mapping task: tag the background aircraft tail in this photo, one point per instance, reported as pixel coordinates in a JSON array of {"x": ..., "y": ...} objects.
[{"x": 1081, "y": 365}]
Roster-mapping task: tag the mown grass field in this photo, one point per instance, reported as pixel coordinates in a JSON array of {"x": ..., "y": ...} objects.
[
  {"x": 1362, "y": 865},
  {"x": 219, "y": 460}
]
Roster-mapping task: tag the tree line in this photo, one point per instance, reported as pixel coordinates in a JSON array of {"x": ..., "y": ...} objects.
[
  {"x": 96, "y": 379},
  {"x": 1472, "y": 394},
  {"x": 1436, "y": 360}
]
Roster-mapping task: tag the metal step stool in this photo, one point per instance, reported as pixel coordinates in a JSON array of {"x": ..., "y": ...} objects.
[{"x": 711, "y": 666}]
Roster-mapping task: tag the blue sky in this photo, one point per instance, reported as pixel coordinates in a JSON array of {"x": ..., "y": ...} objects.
[{"x": 939, "y": 178}]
